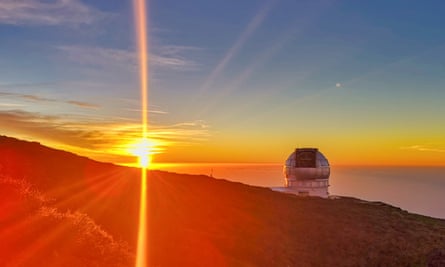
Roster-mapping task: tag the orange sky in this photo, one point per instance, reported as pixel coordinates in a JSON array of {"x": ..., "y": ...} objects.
[{"x": 245, "y": 86}]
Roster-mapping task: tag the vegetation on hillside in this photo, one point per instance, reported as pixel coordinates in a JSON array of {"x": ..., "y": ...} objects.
[{"x": 34, "y": 233}]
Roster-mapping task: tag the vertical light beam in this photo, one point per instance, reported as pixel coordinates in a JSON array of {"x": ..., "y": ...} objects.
[
  {"x": 141, "y": 32},
  {"x": 141, "y": 256},
  {"x": 141, "y": 25}
]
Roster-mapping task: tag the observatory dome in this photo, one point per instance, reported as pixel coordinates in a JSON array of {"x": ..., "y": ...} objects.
[
  {"x": 306, "y": 164},
  {"x": 306, "y": 172}
]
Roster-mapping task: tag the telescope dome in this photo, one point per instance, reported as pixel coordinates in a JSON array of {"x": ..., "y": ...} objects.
[{"x": 306, "y": 172}]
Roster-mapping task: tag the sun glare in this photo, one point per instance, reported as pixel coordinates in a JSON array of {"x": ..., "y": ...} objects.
[{"x": 144, "y": 150}]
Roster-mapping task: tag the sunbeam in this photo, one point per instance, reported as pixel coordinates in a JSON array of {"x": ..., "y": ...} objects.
[
  {"x": 141, "y": 32},
  {"x": 250, "y": 29}
]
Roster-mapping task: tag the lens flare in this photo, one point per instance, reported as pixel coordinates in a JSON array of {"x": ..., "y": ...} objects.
[
  {"x": 144, "y": 150},
  {"x": 141, "y": 254},
  {"x": 141, "y": 32}
]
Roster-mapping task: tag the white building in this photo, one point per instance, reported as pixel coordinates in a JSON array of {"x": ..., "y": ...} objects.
[{"x": 306, "y": 173}]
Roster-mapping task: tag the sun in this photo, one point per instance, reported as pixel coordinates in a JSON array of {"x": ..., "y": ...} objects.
[{"x": 144, "y": 150}]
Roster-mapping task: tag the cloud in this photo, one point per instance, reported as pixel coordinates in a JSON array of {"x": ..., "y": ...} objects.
[
  {"x": 40, "y": 126},
  {"x": 44, "y": 99},
  {"x": 198, "y": 123},
  {"x": 82, "y": 104},
  {"x": 423, "y": 148},
  {"x": 50, "y": 13},
  {"x": 10, "y": 105},
  {"x": 126, "y": 59},
  {"x": 173, "y": 55},
  {"x": 98, "y": 56},
  {"x": 176, "y": 49},
  {"x": 100, "y": 136},
  {"x": 151, "y": 111},
  {"x": 157, "y": 111},
  {"x": 172, "y": 62}
]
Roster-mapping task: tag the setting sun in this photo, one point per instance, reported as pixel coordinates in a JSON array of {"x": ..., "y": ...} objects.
[{"x": 144, "y": 150}]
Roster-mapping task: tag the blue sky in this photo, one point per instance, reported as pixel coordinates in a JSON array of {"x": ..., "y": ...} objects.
[{"x": 229, "y": 77}]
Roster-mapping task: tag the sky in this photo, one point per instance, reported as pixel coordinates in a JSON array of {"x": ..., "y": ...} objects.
[{"x": 230, "y": 81}]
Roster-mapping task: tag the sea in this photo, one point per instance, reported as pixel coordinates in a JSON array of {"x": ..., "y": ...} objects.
[{"x": 418, "y": 190}]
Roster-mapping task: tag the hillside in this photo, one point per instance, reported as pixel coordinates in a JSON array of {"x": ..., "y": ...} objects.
[{"x": 66, "y": 210}]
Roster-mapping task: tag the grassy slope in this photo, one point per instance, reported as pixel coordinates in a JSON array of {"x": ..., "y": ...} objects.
[
  {"x": 201, "y": 221},
  {"x": 34, "y": 233}
]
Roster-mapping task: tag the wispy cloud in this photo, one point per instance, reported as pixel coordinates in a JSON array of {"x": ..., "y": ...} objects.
[
  {"x": 10, "y": 105},
  {"x": 198, "y": 123},
  {"x": 41, "y": 12},
  {"x": 171, "y": 58},
  {"x": 424, "y": 148},
  {"x": 157, "y": 111},
  {"x": 176, "y": 49},
  {"x": 99, "y": 136},
  {"x": 40, "y": 126},
  {"x": 151, "y": 111},
  {"x": 82, "y": 104},
  {"x": 45, "y": 99},
  {"x": 174, "y": 55}
]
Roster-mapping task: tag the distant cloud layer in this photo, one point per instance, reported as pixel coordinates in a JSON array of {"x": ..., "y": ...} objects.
[
  {"x": 40, "y": 12},
  {"x": 44, "y": 99},
  {"x": 100, "y": 136},
  {"x": 170, "y": 57},
  {"x": 424, "y": 148}
]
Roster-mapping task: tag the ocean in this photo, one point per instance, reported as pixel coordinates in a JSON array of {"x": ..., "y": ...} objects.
[{"x": 415, "y": 189}]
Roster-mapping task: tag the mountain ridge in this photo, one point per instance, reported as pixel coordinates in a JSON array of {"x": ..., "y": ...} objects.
[{"x": 196, "y": 220}]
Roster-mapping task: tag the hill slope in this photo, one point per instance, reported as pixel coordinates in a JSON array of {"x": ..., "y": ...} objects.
[{"x": 194, "y": 220}]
